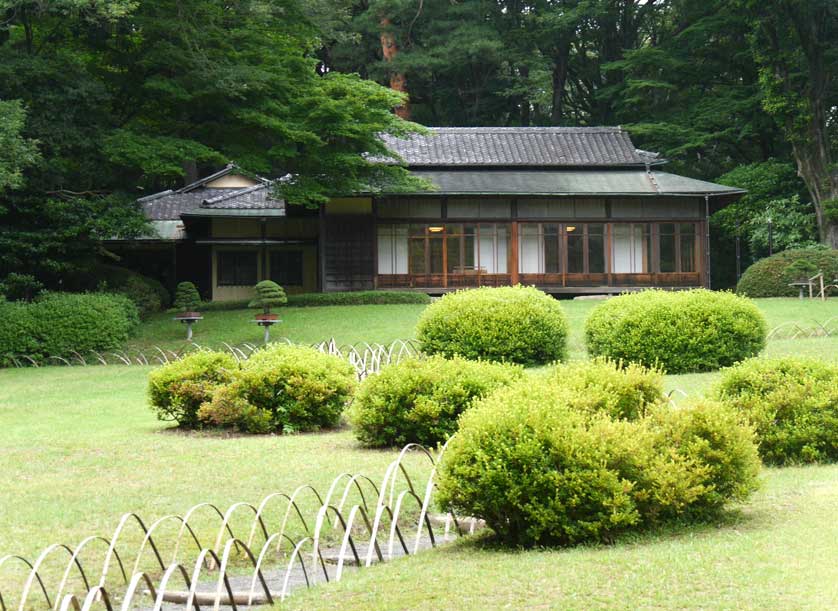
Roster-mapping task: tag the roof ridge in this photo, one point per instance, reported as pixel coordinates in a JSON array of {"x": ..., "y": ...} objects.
[
  {"x": 531, "y": 129},
  {"x": 234, "y": 193}
]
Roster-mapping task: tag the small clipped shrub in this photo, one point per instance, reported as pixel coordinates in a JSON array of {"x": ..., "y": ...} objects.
[
  {"x": 770, "y": 277},
  {"x": 514, "y": 324},
  {"x": 177, "y": 390},
  {"x": 357, "y": 298},
  {"x": 286, "y": 389},
  {"x": 268, "y": 295},
  {"x": 17, "y": 332},
  {"x": 81, "y": 322},
  {"x": 791, "y": 402},
  {"x": 681, "y": 332},
  {"x": 187, "y": 298},
  {"x": 540, "y": 471},
  {"x": 623, "y": 391},
  {"x": 419, "y": 400}
]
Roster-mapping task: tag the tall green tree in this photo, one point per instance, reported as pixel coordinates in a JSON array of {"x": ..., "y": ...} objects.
[
  {"x": 16, "y": 152},
  {"x": 129, "y": 97},
  {"x": 795, "y": 43}
]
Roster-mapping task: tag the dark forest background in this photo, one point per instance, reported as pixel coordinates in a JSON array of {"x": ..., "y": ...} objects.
[{"x": 103, "y": 101}]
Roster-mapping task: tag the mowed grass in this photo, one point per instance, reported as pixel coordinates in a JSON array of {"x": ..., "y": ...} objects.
[
  {"x": 777, "y": 552},
  {"x": 386, "y": 323},
  {"x": 79, "y": 447}
]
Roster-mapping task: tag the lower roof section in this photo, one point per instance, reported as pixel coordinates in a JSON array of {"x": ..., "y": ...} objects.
[{"x": 568, "y": 182}]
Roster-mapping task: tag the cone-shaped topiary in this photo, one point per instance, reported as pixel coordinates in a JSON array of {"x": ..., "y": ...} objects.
[
  {"x": 187, "y": 298},
  {"x": 268, "y": 294}
]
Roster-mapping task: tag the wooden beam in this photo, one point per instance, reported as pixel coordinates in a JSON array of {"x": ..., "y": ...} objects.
[{"x": 513, "y": 247}]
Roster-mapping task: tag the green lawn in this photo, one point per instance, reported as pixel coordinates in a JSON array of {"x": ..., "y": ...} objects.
[
  {"x": 385, "y": 323},
  {"x": 79, "y": 447},
  {"x": 777, "y": 552}
]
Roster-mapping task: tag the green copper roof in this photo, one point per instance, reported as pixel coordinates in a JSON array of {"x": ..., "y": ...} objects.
[{"x": 567, "y": 182}]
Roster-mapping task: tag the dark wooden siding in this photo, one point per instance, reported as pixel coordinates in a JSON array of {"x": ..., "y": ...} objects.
[{"x": 349, "y": 258}]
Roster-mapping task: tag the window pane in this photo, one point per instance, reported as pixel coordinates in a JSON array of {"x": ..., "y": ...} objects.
[
  {"x": 529, "y": 248},
  {"x": 417, "y": 255},
  {"x": 237, "y": 268},
  {"x": 590, "y": 208},
  {"x": 287, "y": 268},
  {"x": 552, "y": 258},
  {"x": 596, "y": 248},
  {"x": 667, "y": 247},
  {"x": 687, "y": 232},
  {"x": 435, "y": 251},
  {"x": 575, "y": 250},
  {"x": 455, "y": 254}
]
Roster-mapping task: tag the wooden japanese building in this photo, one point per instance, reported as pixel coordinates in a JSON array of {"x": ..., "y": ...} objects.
[{"x": 570, "y": 210}]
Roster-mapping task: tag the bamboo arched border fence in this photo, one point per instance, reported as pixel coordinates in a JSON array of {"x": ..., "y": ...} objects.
[{"x": 275, "y": 541}]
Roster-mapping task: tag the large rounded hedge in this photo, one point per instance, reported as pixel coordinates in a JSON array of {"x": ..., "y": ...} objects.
[
  {"x": 770, "y": 277},
  {"x": 514, "y": 324},
  {"x": 792, "y": 403},
  {"x": 679, "y": 331},
  {"x": 419, "y": 400},
  {"x": 283, "y": 389},
  {"x": 540, "y": 471},
  {"x": 63, "y": 324}
]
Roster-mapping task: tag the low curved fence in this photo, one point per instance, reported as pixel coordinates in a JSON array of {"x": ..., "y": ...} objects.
[
  {"x": 254, "y": 554},
  {"x": 805, "y": 329},
  {"x": 365, "y": 357}
]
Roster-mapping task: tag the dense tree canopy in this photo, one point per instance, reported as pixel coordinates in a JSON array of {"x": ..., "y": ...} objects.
[{"x": 124, "y": 97}]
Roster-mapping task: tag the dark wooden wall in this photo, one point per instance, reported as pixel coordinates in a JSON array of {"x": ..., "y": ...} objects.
[{"x": 348, "y": 253}]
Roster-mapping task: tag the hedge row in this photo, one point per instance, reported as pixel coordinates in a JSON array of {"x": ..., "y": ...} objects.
[
  {"x": 305, "y": 300},
  {"x": 59, "y": 324},
  {"x": 282, "y": 389}
]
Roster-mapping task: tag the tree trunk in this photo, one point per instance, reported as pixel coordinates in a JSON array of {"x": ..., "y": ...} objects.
[
  {"x": 561, "y": 60},
  {"x": 398, "y": 81}
]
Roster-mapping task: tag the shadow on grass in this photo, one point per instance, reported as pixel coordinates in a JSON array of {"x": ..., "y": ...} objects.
[{"x": 736, "y": 519}]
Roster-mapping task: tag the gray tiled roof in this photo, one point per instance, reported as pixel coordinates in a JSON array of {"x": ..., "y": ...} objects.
[
  {"x": 257, "y": 197},
  {"x": 169, "y": 205},
  {"x": 567, "y": 182},
  {"x": 521, "y": 146}
]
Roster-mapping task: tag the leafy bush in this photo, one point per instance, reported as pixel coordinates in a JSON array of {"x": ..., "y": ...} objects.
[
  {"x": 516, "y": 324},
  {"x": 792, "y": 403},
  {"x": 770, "y": 277},
  {"x": 357, "y": 298},
  {"x": 20, "y": 287},
  {"x": 187, "y": 298},
  {"x": 17, "y": 332},
  {"x": 177, "y": 390},
  {"x": 419, "y": 400},
  {"x": 81, "y": 322},
  {"x": 620, "y": 390},
  {"x": 541, "y": 471},
  {"x": 681, "y": 332},
  {"x": 713, "y": 439},
  {"x": 285, "y": 389},
  {"x": 147, "y": 293}
]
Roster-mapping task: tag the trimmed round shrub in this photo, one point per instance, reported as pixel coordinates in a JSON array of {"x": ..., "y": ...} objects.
[
  {"x": 293, "y": 389},
  {"x": 620, "y": 390},
  {"x": 541, "y": 471},
  {"x": 514, "y": 323},
  {"x": 81, "y": 322},
  {"x": 680, "y": 332},
  {"x": 177, "y": 390},
  {"x": 791, "y": 402},
  {"x": 770, "y": 277},
  {"x": 419, "y": 400},
  {"x": 721, "y": 448},
  {"x": 17, "y": 332},
  {"x": 187, "y": 297}
]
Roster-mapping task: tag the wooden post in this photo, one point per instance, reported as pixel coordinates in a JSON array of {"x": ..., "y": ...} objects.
[
  {"x": 513, "y": 247},
  {"x": 707, "y": 281}
]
